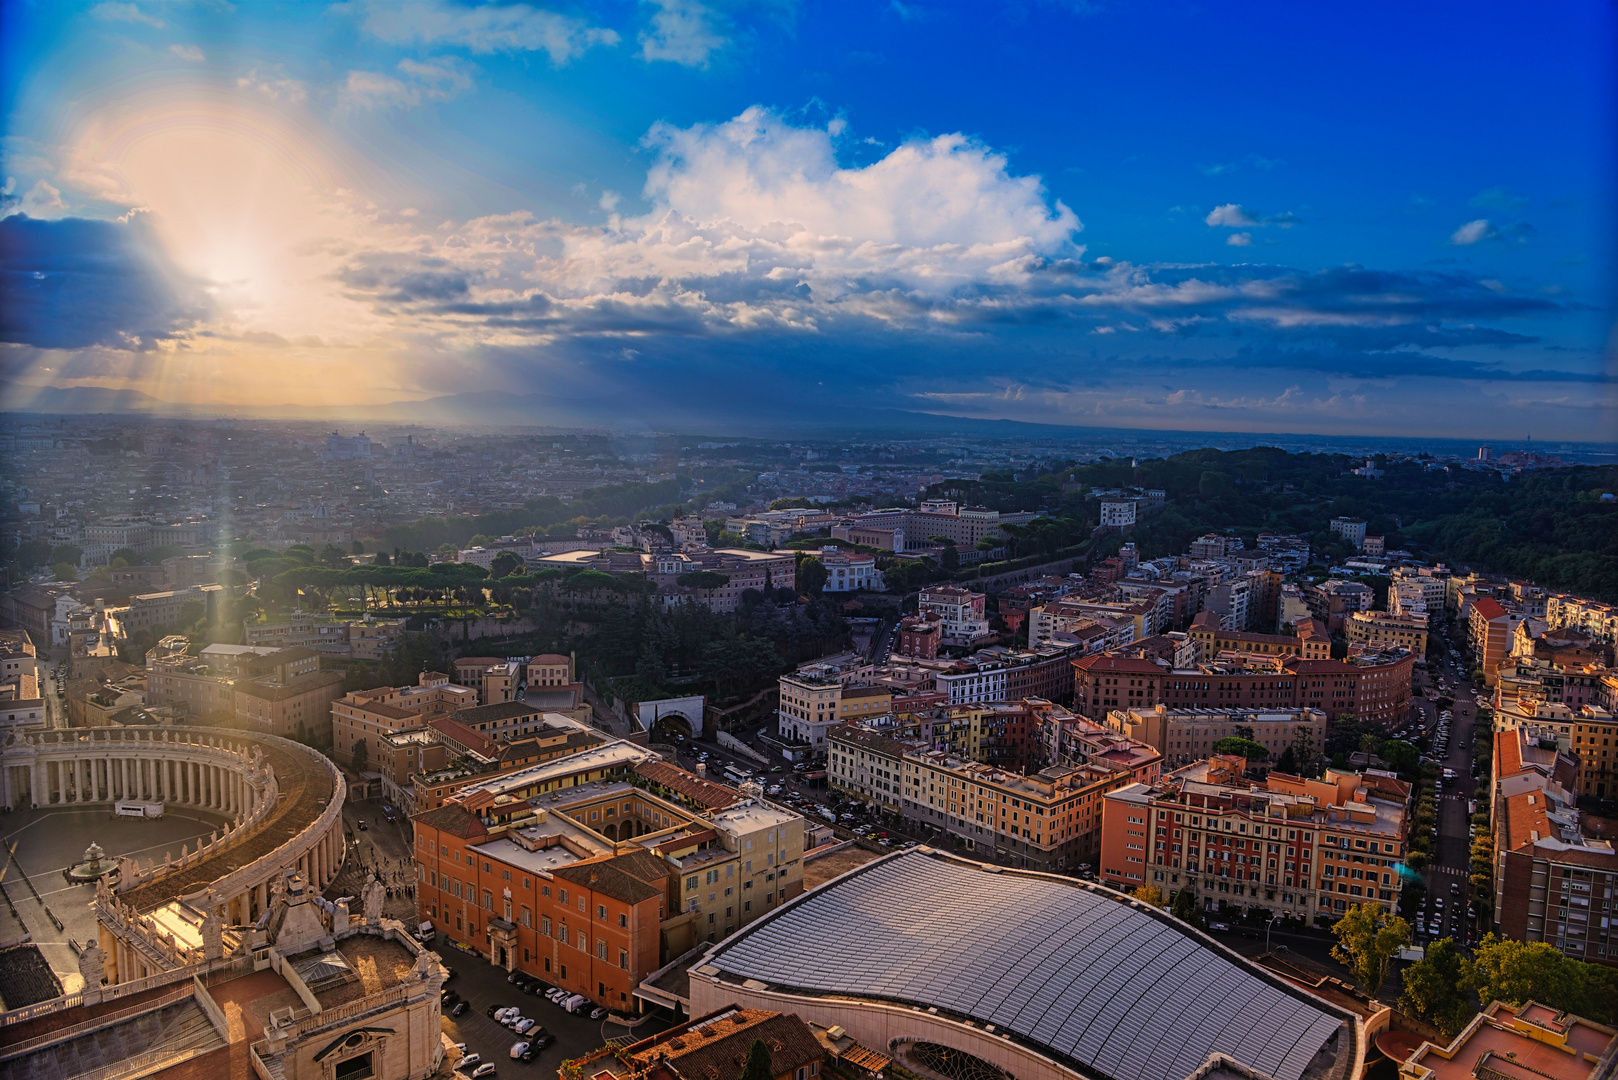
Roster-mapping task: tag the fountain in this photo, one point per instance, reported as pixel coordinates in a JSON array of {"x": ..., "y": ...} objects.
[{"x": 94, "y": 867}]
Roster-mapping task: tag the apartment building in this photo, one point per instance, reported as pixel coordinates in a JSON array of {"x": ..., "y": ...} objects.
[
  {"x": 1069, "y": 619},
  {"x": 1598, "y": 619},
  {"x": 363, "y": 716},
  {"x": 1490, "y": 628},
  {"x": 1045, "y": 821},
  {"x": 293, "y": 706},
  {"x": 1588, "y": 734},
  {"x": 1373, "y": 686},
  {"x": 960, "y": 611},
  {"x": 494, "y": 678},
  {"x": 1555, "y": 880},
  {"x": 1332, "y": 601},
  {"x": 1308, "y": 639},
  {"x": 811, "y": 704},
  {"x": 919, "y": 637},
  {"x": 1288, "y": 845},
  {"x": 549, "y": 670},
  {"x": 1408, "y": 631},
  {"x": 1184, "y": 736},
  {"x": 1352, "y": 530}
]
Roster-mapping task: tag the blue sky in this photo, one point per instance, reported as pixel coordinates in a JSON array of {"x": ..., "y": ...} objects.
[{"x": 1172, "y": 215}]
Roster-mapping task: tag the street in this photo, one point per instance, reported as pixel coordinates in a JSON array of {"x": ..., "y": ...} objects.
[
  {"x": 1445, "y": 905},
  {"x": 483, "y": 985}
]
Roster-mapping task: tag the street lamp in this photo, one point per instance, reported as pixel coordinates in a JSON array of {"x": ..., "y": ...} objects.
[{"x": 1267, "y": 927}]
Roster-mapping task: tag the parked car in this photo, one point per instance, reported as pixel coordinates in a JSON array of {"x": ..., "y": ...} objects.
[
  {"x": 460, "y": 1007},
  {"x": 469, "y": 1061},
  {"x": 486, "y": 1069},
  {"x": 597, "y": 1013}
]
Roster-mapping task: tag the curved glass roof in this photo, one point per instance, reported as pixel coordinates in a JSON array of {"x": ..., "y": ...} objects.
[{"x": 1111, "y": 987}]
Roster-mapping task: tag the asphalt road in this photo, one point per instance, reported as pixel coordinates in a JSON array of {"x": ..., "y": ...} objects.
[
  {"x": 482, "y": 985},
  {"x": 1445, "y": 909}
]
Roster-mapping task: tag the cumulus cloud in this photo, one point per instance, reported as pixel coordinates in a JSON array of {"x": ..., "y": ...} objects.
[
  {"x": 487, "y": 29},
  {"x": 756, "y": 228},
  {"x": 112, "y": 11},
  {"x": 41, "y": 200},
  {"x": 1474, "y": 232},
  {"x": 274, "y": 85},
  {"x": 1230, "y": 215},
  {"x": 187, "y": 52},
  {"x": 1483, "y": 230},
  {"x": 438, "y": 79},
  {"x": 682, "y": 32},
  {"x": 1236, "y": 216}
]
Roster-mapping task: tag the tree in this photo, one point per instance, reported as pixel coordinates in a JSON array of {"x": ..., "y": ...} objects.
[
  {"x": 1438, "y": 988},
  {"x": 1366, "y": 942},
  {"x": 1185, "y": 908},
  {"x": 505, "y": 564},
  {"x": 32, "y": 553},
  {"x": 1150, "y": 894},
  {"x": 811, "y": 576},
  {"x": 1516, "y": 971},
  {"x": 360, "y": 758},
  {"x": 64, "y": 571},
  {"x": 759, "y": 1066},
  {"x": 356, "y": 548},
  {"x": 1288, "y": 761},
  {"x": 1403, "y": 756},
  {"x": 1247, "y": 748},
  {"x": 68, "y": 553},
  {"x": 333, "y": 556}
]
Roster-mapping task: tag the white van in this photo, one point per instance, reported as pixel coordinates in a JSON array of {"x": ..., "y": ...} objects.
[
  {"x": 572, "y": 1004},
  {"x": 424, "y": 932}
]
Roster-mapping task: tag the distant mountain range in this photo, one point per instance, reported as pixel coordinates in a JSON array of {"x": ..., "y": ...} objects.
[{"x": 796, "y": 419}]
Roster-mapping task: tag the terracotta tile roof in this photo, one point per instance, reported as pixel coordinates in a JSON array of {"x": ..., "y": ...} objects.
[
  {"x": 475, "y": 741},
  {"x": 686, "y": 785},
  {"x": 454, "y": 820},
  {"x": 1489, "y": 608},
  {"x": 611, "y": 878},
  {"x": 718, "y": 1049},
  {"x": 1114, "y": 662}
]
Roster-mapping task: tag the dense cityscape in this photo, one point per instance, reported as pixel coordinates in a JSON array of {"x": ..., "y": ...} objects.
[
  {"x": 618, "y": 718},
  {"x": 886, "y": 540}
]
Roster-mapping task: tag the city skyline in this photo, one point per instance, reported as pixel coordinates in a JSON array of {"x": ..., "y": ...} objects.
[{"x": 685, "y": 216}]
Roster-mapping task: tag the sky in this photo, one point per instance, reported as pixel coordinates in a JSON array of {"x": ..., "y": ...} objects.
[{"x": 1379, "y": 218}]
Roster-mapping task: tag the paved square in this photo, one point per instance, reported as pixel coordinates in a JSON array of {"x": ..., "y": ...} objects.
[{"x": 51, "y": 840}]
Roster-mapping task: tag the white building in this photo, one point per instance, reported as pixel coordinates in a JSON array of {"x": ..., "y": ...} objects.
[
  {"x": 847, "y": 571},
  {"x": 987, "y": 683},
  {"x": 1118, "y": 513},
  {"x": 1350, "y": 529},
  {"x": 961, "y": 612}
]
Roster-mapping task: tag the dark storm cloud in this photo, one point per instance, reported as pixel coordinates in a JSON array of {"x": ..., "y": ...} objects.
[{"x": 76, "y": 282}]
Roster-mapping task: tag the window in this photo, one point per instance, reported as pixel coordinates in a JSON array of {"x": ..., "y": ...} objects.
[
  {"x": 623, "y": 920},
  {"x": 355, "y": 1068},
  {"x": 601, "y": 912}
]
